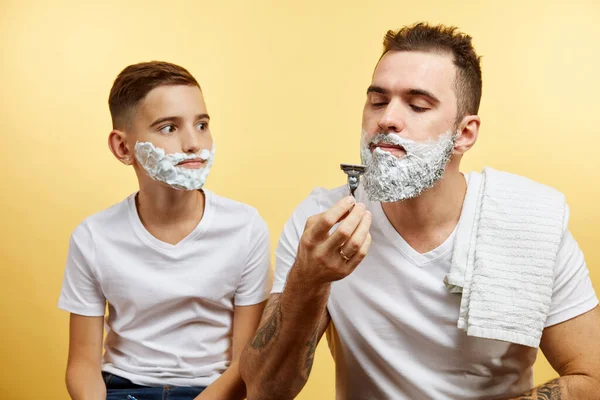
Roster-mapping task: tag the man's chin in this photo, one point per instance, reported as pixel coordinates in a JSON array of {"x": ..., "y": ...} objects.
[{"x": 405, "y": 192}]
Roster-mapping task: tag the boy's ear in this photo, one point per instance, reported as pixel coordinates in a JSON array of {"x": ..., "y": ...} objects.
[{"x": 117, "y": 143}]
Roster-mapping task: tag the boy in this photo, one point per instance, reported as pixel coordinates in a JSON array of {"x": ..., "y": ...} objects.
[{"x": 185, "y": 272}]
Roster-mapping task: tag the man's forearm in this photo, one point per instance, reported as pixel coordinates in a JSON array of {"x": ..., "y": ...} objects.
[
  {"x": 279, "y": 358},
  {"x": 85, "y": 382},
  {"x": 567, "y": 387}
]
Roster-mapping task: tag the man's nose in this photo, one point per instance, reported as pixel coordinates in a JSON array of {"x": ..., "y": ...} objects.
[{"x": 392, "y": 119}]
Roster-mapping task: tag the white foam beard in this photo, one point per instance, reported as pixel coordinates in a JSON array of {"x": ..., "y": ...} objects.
[
  {"x": 163, "y": 167},
  {"x": 389, "y": 178}
]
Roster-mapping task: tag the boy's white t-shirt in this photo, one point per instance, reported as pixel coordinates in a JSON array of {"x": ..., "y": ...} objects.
[
  {"x": 170, "y": 306},
  {"x": 394, "y": 328}
]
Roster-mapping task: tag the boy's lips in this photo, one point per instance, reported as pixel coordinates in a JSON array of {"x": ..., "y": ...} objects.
[{"x": 193, "y": 163}]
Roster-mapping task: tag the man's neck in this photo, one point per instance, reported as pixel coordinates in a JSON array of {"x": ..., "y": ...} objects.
[{"x": 426, "y": 221}]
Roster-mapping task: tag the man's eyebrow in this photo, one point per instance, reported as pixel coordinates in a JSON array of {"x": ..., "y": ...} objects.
[
  {"x": 203, "y": 116},
  {"x": 377, "y": 89},
  {"x": 410, "y": 92},
  {"x": 423, "y": 93}
]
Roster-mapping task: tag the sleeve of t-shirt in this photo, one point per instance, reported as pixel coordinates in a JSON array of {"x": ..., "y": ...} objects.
[
  {"x": 573, "y": 293},
  {"x": 287, "y": 247},
  {"x": 255, "y": 282},
  {"x": 81, "y": 293}
]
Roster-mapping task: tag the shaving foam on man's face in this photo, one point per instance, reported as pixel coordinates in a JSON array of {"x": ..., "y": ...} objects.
[
  {"x": 390, "y": 178},
  {"x": 168, "y": 168}
]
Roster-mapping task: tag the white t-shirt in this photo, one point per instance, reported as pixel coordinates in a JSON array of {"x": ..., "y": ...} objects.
[
  {"x": 394, "y": 333},
  {"x": 170, "y": 306}
]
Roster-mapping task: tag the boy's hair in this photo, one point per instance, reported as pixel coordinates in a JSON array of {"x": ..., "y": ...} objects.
[
  {"x": 444, "y": 39},
  {"x": 136, "y": 81}
]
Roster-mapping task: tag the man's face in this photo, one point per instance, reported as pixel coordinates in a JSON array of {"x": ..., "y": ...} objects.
[
  {"x": 175, "y": 119},
  {"x": 408, "y": 124},
  {"x": 412, "y": 95}
]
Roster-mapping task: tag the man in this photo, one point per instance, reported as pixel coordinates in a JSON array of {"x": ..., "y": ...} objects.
[
  {"x": 182, "y": 301},
  {"x": 391, "y": 315}
]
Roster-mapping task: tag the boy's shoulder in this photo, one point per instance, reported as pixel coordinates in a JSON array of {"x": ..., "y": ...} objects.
[
  {"x": 226, "y": 206},
  {"x": 108, "y": 219}
]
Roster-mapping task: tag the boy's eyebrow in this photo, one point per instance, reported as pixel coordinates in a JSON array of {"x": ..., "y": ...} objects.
[{"x": 164, "y": 119}]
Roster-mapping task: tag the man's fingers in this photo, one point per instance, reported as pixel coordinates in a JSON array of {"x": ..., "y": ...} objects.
[
  {"x": 319, "y": 225},
  {"x": 346, "y": 228},
  {"x": 361, "y": 253},
  {"x": 355, "y": 242}
]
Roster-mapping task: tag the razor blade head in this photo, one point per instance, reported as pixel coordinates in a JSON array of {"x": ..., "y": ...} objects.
[
  {"x": 353, "y": 169},
  {"x": 354, "y": 172}
]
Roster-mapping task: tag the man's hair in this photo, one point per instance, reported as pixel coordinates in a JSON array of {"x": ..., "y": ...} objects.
[
  {"x": 445, "y": 40},
  {"x": 136, "y": 81}
]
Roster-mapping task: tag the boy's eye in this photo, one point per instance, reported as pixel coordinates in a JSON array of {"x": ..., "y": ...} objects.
[
  {"x": 201, "y": 126},
  {"x": 167, "y": 129}
]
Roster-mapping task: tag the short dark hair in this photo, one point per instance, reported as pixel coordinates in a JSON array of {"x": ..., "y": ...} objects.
[
  {"x": 444, "y": 39},
  {"x": 136, "y": 81}
]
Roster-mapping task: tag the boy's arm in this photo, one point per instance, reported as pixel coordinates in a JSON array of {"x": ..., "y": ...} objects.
[
  {"x": 84, "y": 375},
  {"x": 230, "y": 385}
]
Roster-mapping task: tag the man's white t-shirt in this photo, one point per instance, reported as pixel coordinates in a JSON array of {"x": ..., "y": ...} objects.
[
  {"x": 170, "y": 306},
  {"x": 394, "y": 328}
]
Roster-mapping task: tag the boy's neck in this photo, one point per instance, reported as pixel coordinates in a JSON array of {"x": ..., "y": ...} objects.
[{"x": 168, "y": 214}]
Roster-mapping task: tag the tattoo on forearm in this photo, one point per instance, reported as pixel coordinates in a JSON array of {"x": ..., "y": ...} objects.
[
  {"x": 548, "y": 391},
  {"x": 269, "y": 329},
  {"x": 310, "y": 353}
]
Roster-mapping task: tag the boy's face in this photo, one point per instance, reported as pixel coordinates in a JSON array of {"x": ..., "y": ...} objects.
[{"x": 175, "y": 119}]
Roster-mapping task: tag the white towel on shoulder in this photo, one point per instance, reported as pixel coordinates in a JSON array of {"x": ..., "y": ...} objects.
[{"x": 504, "y": 255}]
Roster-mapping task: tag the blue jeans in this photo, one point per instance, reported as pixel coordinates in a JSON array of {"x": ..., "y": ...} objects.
[{"x": 118, "y": 388}]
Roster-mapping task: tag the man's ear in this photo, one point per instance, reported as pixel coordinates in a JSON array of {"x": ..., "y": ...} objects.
[
  {"x": 468, "y": 131},
  {"x": 117, "y": 143}
]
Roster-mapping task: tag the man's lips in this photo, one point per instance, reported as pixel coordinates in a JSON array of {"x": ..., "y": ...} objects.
[{"x": 390, "y": 148}]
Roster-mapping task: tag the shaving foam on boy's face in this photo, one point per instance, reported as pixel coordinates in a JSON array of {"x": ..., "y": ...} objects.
[
  {"x": 167, "y": 168},
  {"x": 390, "y": 178}
]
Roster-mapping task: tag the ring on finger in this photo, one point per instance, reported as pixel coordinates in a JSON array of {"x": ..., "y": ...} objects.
[{"x": 344, "y": 256}]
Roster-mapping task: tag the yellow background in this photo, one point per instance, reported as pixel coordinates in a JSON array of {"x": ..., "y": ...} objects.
[{"x": 284, "y": 84}]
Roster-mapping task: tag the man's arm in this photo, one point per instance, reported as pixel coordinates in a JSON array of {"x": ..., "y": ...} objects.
[
  {"x": 277, "y": 362},
  {"x": 230, "y": 385},
  {"x": 573, "y": 350},
  {"x": 84, "y": 367}
]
